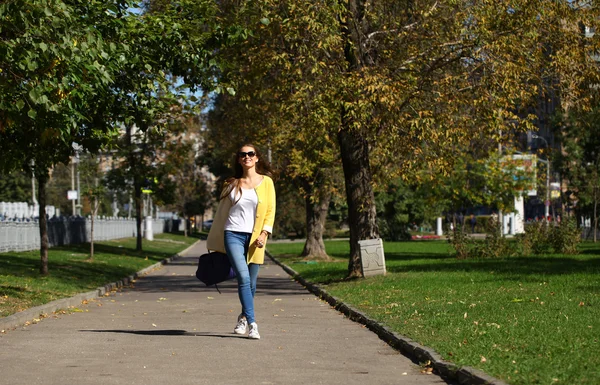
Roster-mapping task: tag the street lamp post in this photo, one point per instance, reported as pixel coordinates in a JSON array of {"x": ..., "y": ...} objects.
[
  {"x": 77, "y": 148},
  {"x": 547, "y": 203}
]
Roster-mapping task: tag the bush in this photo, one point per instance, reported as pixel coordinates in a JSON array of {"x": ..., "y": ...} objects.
[
  {"x": 463, "y": 244},
  {"x": 494, "y": 245},
  {"x": 544, "y": 238},
  {"x": 537, "y": 239},
  {"x": 565, "y": 237}
]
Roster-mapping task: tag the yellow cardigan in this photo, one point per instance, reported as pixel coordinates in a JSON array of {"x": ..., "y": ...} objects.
[{"x": 265, "y": 217}]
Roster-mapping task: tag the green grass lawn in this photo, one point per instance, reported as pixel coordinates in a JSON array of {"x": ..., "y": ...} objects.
[
  {"x": 526, "y": 320},
  {"x": 22, "y": 287}
]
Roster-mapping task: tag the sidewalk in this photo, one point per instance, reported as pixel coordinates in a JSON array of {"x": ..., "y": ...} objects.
[{"x": 170, "y": 329}]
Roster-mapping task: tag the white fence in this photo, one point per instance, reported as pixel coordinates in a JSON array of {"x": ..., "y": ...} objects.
[{"x": 23, "y": 236}]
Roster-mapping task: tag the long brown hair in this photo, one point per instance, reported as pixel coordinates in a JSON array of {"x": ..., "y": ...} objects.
[{"x": 263, "y": 168}]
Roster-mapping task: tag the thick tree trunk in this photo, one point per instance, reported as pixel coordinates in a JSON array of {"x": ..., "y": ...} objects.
[
  {"x": 354, "y": 147},
  {"x": 43, "y": 223},
  {"x": 316, "y": 215},
  {"x": 362, "y": 216}
]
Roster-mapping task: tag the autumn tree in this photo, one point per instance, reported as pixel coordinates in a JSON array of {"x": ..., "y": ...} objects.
[
  {"x": 279, "y": 98},
  {"x": 15, "y": 187},
  {"x": 435, "y": 76}
]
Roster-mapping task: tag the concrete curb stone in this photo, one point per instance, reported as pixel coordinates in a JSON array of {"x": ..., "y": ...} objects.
[
  {"x": 34, "y": 314},
  {"x": 415, "y": 351}
]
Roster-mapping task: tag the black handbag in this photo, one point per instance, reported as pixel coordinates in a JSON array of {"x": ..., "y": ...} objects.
[{"x": 214, "y": 268}]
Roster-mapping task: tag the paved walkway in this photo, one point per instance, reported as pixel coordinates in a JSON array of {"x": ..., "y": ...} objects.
[{"x": 170, "y": 329}]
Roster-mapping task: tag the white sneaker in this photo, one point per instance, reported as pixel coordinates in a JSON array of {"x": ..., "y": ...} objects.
[
  {"x": 254, "y": 331},
  {"x": 241, "y": 326}
]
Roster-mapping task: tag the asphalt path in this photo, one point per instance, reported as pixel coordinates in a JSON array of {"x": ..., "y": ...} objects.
[{"x": 168, "y": 328}]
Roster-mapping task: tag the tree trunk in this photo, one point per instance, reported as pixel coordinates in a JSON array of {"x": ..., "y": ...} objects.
[
  {"x": 137, "y": 189},
  {"x": 362, "y": 216},
  {"x": 595, "y": 214},
  {"x": 138, "y": 212},
  {"x": 316, "y": 215},
  {"x": 95, "y": 207},
  {"x": 184, "y": 225},
  {"x": 43, "y": 224},
  {"x": 354, "y": 146},
  {"x": 91, "y": 258}
]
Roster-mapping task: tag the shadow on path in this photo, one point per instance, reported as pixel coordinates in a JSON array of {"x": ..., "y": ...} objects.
[{"x": 166, "y": 332}]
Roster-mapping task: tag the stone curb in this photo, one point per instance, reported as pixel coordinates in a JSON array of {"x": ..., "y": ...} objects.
[
  {"x": 413, "y": 350},
  {"x": 34, "y": 314}
]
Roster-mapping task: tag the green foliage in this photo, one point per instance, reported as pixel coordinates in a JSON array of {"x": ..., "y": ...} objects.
[
  {"x": 57, "y": 64},
  {"x": 398, "y": 207},
  {"x": 15, "y": 187},
  {"x": 290, "y": 221},
  {"x": 57, "y": 187},
  {"x": 579, "y": 161}
]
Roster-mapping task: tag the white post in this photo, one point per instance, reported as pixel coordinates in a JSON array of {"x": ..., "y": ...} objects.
[
  {"x": 439, "y": 230},
  {"x": 149, "y": 233},
  {"x": 519, "y": 219}
]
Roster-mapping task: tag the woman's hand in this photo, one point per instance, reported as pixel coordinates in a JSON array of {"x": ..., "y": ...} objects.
[{"x": 262, "y": 239}]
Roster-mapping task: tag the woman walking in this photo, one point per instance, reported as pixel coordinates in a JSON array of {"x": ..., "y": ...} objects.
[{"x": 242, "y": 224}]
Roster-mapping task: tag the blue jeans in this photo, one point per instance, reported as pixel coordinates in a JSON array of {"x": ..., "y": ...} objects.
[{"x": 236, "y": 246}]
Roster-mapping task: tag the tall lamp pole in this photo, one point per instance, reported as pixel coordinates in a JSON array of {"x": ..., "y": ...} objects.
[{"x": 547, "y": 203}]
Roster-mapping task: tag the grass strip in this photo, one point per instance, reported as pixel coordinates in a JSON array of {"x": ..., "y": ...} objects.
[
  {"x": 525, "y": 320},
  {"x": 22, "y": 287}
]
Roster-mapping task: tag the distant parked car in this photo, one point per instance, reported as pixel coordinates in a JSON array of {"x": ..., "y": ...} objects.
[{"x": 207, "y": 224}]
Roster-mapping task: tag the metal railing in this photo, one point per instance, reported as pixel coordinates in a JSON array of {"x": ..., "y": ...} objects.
[{"x": 24, "y": 236}]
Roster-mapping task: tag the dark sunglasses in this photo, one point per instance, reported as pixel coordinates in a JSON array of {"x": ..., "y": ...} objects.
[{"x": 249, "y": 153}]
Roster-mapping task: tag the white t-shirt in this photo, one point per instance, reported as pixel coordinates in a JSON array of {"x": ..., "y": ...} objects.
[{"x": 243, "y": 213}]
